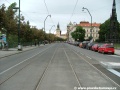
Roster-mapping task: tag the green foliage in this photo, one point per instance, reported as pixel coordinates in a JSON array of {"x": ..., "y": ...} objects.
[
  {"x": 78, "y": 34},
  {"x": 8, "y": 21},
  {"x": 12, "y": 41},
  {"x": 104, "y": 29},
  {"x": 60, "y": 39}
]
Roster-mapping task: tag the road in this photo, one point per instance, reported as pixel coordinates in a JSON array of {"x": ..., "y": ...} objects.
[{"x": 58, "y": 66}]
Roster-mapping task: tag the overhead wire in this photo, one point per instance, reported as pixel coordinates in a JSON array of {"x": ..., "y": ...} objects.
[
  {"x": 73, "y": 10},
  {"x": 21, "y": 11},
  {"x": 7, "y": 1},
  {"x": 48, "y": 11}
]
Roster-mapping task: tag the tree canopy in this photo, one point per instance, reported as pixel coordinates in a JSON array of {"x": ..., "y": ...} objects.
[
  {"x": 28, "y": 33},
  {"x": 78, "y": 34},
  {"x": 104, "y": 29}
]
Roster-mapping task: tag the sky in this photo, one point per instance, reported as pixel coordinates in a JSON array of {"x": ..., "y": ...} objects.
[{"x": 64, "y": 11}]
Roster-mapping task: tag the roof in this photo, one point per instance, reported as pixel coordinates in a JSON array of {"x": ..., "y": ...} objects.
[{"x": 87, "y": 24}]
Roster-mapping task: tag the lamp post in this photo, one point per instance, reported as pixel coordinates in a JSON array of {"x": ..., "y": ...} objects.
[
  {"x": 91, "y": 20},
  {"x": 50, "y": 32},
  {"x": 19, "y": 44},
  {"x": 44, "y": 26}
]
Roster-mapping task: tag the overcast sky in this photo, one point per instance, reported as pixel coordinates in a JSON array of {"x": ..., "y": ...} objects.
[{"x": 62, "y": 11}]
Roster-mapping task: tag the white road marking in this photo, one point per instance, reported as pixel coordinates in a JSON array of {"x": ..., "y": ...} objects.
[
  {"x": 113, "y": 55},
  {"x": 115, "y": 72},
  {"x": 21, "y": 62},
  {"x": 82, "y": 53},
  {"x": 88, "y": 57},
  {"x": 98, "y": 70},
  {"x": 110, "y": 65}
]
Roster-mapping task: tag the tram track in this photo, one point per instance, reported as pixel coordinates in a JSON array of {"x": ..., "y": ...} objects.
[
  {"x": 103, "y": 74},
  {"x": 47, "y": 68},
  {"x": 5, "y": 71},
  {"x": 44, "y": 72},
  {"x": 75, "y": 74}
]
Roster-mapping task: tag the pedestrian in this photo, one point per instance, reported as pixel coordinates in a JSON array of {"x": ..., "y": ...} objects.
[
  {"x": 38, "y": 43},
  {"x": 35, "y": 43}
]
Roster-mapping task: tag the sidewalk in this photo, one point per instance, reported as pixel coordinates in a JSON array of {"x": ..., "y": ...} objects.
[
  {"x": 12, "y": 51},
  {"x": 117, "y": 51}
]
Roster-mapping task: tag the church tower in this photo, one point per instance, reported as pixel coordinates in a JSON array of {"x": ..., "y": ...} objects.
[
  {"x": 113, "y": 33},
  {"x": 58, "y": 31}
]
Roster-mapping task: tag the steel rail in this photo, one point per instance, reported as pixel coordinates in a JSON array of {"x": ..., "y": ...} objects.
[
  {"x": 37, "y": 87},
  {"x": 95, "y": 68},
  {"x": 41, "y": 53}
]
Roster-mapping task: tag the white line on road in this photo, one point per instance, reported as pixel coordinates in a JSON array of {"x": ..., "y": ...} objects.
[
  {"x": 82, "y": 53},
  {"x": 98, "y": 70},
  {"x": 115, "y": 72},
  {"x": 88, "y": 57},
  {"x": 21, "y": 62}
]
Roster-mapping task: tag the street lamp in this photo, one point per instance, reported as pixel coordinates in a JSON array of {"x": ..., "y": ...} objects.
[
  {"x": 50, "y": 32},
  {"x": 91, "y": 19},
  {"x": 44, "y": 25},
  {"x": 19, "y": 44},
  {"x": 51, "y": 28}
]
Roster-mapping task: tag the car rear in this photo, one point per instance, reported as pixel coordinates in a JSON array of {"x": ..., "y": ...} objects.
[{"x": 109, "y": 49}]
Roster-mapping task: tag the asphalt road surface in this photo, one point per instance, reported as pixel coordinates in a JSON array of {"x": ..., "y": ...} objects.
[{"x": 58, "y": 66}]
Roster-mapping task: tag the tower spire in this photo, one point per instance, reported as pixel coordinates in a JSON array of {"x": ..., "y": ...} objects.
[
  {"x": 112, "y": 35},
  {"x": 114, "y": 10},
  {"x": 114, "y": 6}
]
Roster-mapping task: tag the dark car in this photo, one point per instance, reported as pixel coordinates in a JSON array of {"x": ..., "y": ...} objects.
[
  {"x": 84, "y": 44},
  {"x": 89, "y": 45}
]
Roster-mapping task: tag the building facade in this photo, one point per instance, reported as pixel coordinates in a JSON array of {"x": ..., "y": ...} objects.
[{"x": 87, "y": 26}]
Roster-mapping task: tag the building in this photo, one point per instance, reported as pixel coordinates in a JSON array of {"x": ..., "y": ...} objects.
[
  {"x": 70, "y": 28},
  {"x": 58, "y": 33},
  {"x": 87, "y": 26},
  {"x": 113, "y": 33}
]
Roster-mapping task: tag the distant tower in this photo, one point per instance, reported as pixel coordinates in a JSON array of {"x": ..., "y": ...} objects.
[
  {"x": 58, "y": 31},
  {"x": 112, "y": 35}
]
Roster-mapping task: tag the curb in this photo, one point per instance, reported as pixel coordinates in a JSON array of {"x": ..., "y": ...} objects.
[{"x": 16, "y": 53}]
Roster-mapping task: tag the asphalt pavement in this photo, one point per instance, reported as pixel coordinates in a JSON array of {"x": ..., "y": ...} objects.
[
  {"x": 56, "y": 66},
  {"x": 11, "y": 51}
]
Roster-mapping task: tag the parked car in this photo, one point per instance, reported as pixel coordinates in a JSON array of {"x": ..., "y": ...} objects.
[
  {"x": 89, "y": 45},
  {"x": 95, "y": 47},
  {"x": 80, "y": 44},
  {"x": 106, "y": 48},
  {"x": 76, "y": 43},
  {"x": 84, "y": 44}
]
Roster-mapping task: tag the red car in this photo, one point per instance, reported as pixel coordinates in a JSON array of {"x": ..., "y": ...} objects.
[
  {"x": 95, "y": 47},
  {"x": 106, "y": 48}
]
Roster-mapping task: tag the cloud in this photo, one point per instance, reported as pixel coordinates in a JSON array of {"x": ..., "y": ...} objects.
[{"x": 61, "y": 11}]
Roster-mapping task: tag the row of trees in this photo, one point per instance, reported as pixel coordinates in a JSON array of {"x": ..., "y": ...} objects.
[{"x": 28, "y": 33}]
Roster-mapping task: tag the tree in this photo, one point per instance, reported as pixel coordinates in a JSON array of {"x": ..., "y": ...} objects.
[
  {"x": 104, "y": 29},
  {"x": 78, "y": 34}
]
